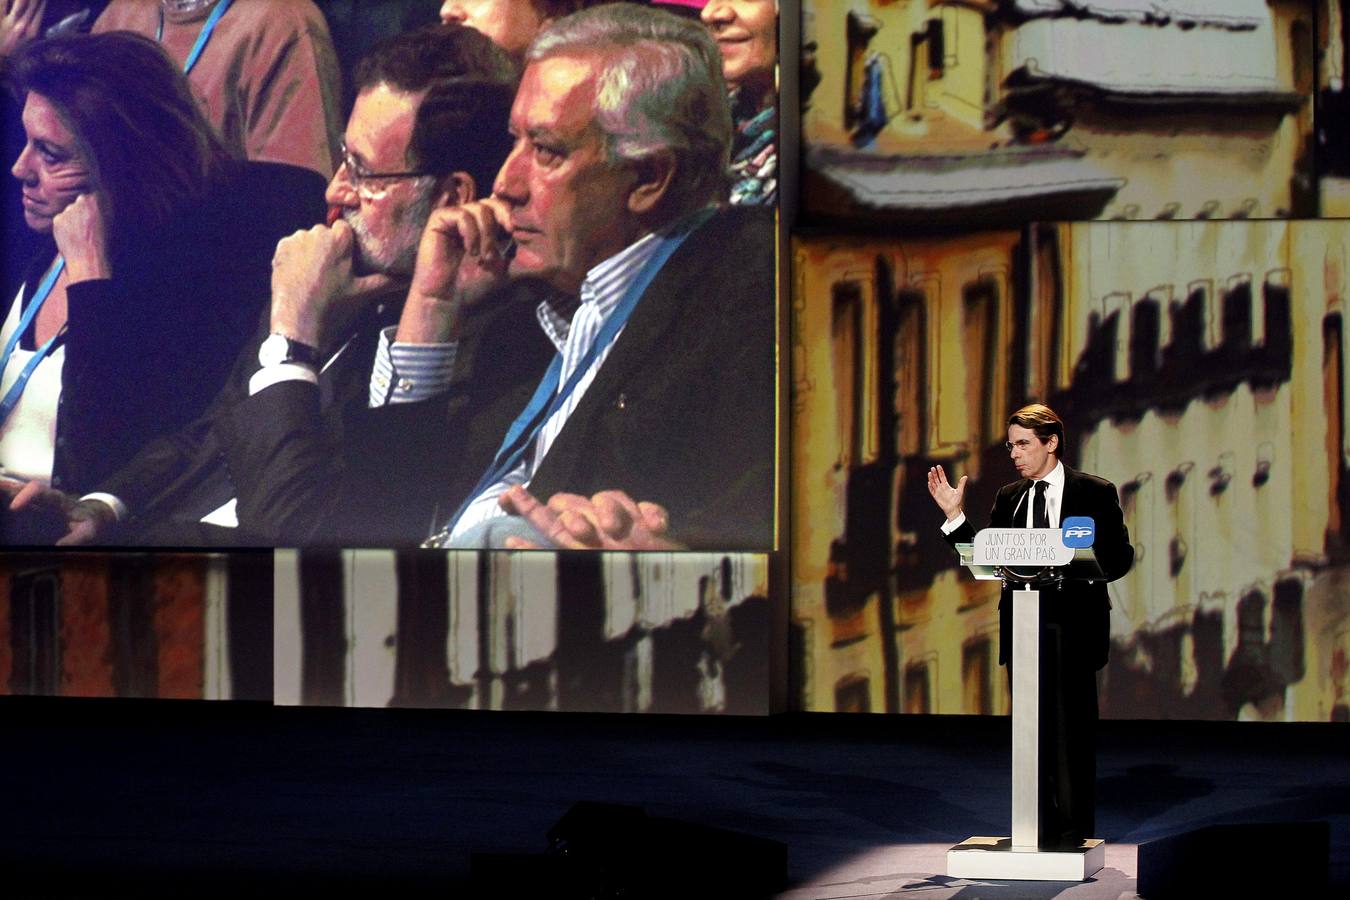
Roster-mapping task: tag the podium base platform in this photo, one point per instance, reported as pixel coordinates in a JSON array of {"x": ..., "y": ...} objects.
[{"x": 994, "y": 858}]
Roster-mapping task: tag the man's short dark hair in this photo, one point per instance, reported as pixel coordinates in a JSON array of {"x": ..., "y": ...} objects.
[
  {"x": 1042, "y": 420},
  {"x": 469, "y": 85}
]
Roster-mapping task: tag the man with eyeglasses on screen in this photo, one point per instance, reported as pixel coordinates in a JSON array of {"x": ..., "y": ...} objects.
[
  {"x": 428, "y": 130},
  {"x": 651, "y": 424},
  {"x": 654, "y": 426},
  {"x": 1076, "y": 618}
]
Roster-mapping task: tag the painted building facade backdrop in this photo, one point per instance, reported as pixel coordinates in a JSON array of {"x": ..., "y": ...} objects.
[
  {"x": 965, "y": 112},
  {"x": 593, "y": 632},
  {"x": 619, "y": 632},
  {"x": 1200, "y": 363},
  {"x": 1200, "y": 368},
  {"x": 136, "y": 625}
]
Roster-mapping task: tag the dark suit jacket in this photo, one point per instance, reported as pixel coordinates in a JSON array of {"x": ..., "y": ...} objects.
[
  {"x": 382, "y": 478},
  {"x": 177, "y": 479},
  {"x": 1082, "y": 607},
  {"x": 682, "y": 413}
]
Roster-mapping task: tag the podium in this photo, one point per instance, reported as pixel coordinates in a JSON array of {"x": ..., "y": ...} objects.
[{"x": 1034, "y": 558}]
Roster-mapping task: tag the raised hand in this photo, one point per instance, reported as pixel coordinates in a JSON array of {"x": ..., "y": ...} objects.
[
  {"x": 609, "y": 520},
  {"x": 460, "y": 259},
  {"x": 20, "y": 23},
  {"x": 948, "y": 498},
  {"x": 81, "y": 234}
]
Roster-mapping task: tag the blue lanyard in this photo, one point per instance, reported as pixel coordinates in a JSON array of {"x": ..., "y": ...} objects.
[
  {"x": 202, "y": 38},
  {"x": 547, "y": 398},
  {"x": 15, "y": 391}
]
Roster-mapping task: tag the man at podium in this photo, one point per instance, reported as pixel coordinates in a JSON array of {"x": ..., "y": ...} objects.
[{"x": 1075, "y": 615}]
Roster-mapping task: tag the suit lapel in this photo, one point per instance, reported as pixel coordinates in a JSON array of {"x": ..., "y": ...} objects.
[
  {"x": 630, "y": 362},
  {"x": 1071, "y": 499},
  {"x": 641, "y": 340},
  {"x": 1017, "y": 515}
]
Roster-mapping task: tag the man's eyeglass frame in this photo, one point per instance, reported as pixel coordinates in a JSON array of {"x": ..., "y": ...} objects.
[{"x": 357, "y": 174}]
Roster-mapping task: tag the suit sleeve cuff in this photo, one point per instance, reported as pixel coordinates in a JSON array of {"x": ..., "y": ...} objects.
[
  {"x": 119, "y": 508},
  {"x": 952, "y": 524}
]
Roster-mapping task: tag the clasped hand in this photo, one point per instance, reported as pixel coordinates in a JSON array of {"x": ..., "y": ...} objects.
[
  {"x": 609, "y": 520},
  {"x": 313, "y": 284},
  {"x": 85, "y": 521}
]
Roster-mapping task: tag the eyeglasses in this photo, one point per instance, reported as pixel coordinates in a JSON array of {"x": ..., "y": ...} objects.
[
  {"x": 1023, "y": 444},
  {"x": 371, "y": 184}
]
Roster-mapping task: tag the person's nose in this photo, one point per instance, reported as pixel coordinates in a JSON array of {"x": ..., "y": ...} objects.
[
  {"x": 341, "y": 191},
  {"x": 22, "y": 168},
  {"x": 453, "y": 12},
  {"x": 511, "y": 184},
  {"x": 717, "y": 13}
]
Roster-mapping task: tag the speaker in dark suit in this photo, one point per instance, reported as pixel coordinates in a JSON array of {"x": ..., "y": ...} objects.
[{"x": 1075, "y": 616}]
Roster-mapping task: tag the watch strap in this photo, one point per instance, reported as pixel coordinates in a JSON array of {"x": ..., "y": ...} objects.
[{"x": 279, "y": 349}]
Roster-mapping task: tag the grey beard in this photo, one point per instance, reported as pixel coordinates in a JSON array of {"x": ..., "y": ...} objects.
[{"x": 397, "y": 255}]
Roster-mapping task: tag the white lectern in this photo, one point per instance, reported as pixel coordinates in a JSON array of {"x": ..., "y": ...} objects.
[{"x": 1032, "y": 557}]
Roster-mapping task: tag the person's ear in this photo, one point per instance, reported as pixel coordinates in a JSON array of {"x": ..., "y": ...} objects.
[
  {"x": 654, "y": 174},
  {"x": 1052, "y": 444},
  {"x": 456, "y": 189}
]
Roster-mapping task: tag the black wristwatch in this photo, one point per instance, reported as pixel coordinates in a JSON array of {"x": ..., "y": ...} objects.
[{"x": 278, "y": 349}]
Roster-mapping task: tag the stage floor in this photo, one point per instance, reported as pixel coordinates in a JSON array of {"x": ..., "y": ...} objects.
[{"x": 175, "y": 798}]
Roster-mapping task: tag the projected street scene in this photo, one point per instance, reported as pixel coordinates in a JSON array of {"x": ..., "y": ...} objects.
[
  {"x": 665, "y": 633},
  {"x": 167, "y": 626},
  {"x": 988, "y": 113},
  {"x": 1199, "y": 367}
]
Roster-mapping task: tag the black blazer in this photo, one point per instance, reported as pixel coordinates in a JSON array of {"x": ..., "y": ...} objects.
[
  {"x": 1083, "y": 608},
  {"x": 381, "y": 478},
  {"x": 176, "y": 479},
  {"x": 149, "y": 349},
  {"x": 682, "y": 413}
]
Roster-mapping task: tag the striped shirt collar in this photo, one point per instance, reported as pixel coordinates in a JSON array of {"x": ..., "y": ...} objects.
[
  {"x": 606, "y": 283},
  {"x": 555, "y": 317},
  {"x": 603, "y": 288}
]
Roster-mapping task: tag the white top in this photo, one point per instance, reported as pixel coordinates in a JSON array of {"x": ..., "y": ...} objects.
[{"x": 28, "y": 438}]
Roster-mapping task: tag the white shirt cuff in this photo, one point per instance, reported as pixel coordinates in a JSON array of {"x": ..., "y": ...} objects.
[
  {"x": 119, "y": 508},
  {"x": 270, "y": 375},
  {"x": 952, "y": 524},
  {"x": 408, "y": 373}
]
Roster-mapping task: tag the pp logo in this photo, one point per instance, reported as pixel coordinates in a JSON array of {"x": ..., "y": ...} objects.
[{"x": 1079, "y": 531}]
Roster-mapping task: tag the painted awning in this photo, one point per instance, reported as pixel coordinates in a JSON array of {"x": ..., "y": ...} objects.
[
  {"x": 1228, "y": 14},
  {"x": 996, "y": 186},
  {"x": 1144, "y": 48}
]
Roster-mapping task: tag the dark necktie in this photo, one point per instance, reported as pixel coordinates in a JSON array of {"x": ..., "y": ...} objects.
[{"x": 1039, "y": 519}]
